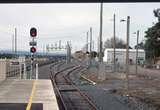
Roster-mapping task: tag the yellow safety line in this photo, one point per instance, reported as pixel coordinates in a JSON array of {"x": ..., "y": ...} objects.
[{"x": 32, "y": 95}]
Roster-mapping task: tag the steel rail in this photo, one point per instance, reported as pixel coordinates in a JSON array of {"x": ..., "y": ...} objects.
[
  {"x": 69, "y": 81},
  {"x": 63, "y": 107},
  {"x": 85, "y": 97},
  {"x": 53, "y": 79}
]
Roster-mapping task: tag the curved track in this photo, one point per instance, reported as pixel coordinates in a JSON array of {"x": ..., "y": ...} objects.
[{"x": 69, "y": 96}]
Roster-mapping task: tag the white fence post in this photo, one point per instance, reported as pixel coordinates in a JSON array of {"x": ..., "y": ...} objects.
[
  {"x": 24, "y": 73},
  {"x": 3, "y": 69},
  {"x": 20, "y": 69},
  {"x": 36, "y": 71}
]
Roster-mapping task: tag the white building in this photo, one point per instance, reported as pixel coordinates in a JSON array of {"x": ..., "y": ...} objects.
[{"x": 120, "y": 55}]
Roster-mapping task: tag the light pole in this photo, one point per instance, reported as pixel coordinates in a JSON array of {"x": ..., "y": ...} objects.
[
  {"x": 100, "y": 34},
  {"x": 127, "y": 51},
  {"x": 90, "y": 46},
  {"x": 68, "y": 52},
  {"x": 12, "y": 44},
  {"x": 90, "y": 39},
  {"x": 137, "y": 51},
  {"x": 15, "y": 41},
  {"x": 93, "y": 45},
  {"x": 87, "y": 43},
  {"x": 114, "y": 42}
]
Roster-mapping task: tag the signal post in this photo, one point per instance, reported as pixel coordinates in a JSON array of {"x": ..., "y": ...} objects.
[{"x": 33, "y": 44}]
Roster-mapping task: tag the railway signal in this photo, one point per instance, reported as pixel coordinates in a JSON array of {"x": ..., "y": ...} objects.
[
  {"x": 33, "y": 32},
  {"x": 32, "y": 59},
  {"x": 33, "y": 44},
  {"x": 33, "y": 50}
]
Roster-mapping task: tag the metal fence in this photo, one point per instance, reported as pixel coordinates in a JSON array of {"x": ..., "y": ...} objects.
[
  {"x": 13, "y": 73},
  {"x": 12, "y": 70}
]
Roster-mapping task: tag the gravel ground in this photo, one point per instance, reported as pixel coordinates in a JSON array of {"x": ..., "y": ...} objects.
[
  {"x": 104, "y": 96},
  {"x": 103, "y": 100},
  {"x": 135, "y": 104}
]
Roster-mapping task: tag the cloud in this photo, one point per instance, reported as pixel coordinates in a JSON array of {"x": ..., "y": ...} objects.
[{"x": 70, "y": 21}]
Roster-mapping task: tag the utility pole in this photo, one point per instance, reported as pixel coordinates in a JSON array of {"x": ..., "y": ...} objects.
[
  {"x": 98, "y": 44},
  {"x": 15, "y": 41},
  {"x": 90, "y": 45},
  {"x": 127, "y": 52},
  {"x": 114, "y": 43},
  {"x": 12, "y": 43},
  {"x": 43, "y": 50},
  {"x": 87, "y": 43},
  {"x": 101, "y": 67},
  {"x": 56, "y": 45},
  {"x": 90, "y": 39},
  {"x": 46, "y": 49},
  {"x": 59, "y": 44},
  {"x": 52, "y": 47},
  {"x": 137, "y": 52},
  {"x": 93, "y": 46},
  {"x": 100, "y": 34},
  {"x": 68, "y": 59}
]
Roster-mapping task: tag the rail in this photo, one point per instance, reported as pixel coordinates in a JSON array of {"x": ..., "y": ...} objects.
[
  {"x": 69, "y": 81},
  {"x": 81, "y": 93},
  {"x": 58, "y": 94}
]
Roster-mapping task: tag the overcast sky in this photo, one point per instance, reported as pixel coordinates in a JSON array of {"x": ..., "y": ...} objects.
[{"x": 70, "y": 22}]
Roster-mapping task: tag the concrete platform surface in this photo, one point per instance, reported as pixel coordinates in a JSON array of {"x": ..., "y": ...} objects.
[{"x": 20, "y": 92}]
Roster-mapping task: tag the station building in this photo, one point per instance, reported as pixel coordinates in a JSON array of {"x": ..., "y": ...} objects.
[{"x": 120, "y": 55}]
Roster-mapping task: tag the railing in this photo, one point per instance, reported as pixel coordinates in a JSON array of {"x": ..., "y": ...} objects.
[
  {"x": 16, "y": 71},
  {"x": 13, "y": 73}
]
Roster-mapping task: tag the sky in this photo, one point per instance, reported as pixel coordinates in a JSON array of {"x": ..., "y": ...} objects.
[{"x": 71, "y": 22}]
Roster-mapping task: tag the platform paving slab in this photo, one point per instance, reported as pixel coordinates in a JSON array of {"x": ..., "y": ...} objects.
[{"x": 14, "y": 91}]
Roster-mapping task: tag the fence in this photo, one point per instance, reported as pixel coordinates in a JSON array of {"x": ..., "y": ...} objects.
[
  {"x": 3, "y": 69},
  {"x": 12, "y": 70},
  {"x": 7, "y": 69}
]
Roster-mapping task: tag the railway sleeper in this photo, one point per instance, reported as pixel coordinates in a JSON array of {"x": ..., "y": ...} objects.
[{"x": 68, "y": 90}]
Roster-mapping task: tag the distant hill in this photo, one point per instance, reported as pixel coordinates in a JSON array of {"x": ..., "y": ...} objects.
[{"x": 26, "y": 53}]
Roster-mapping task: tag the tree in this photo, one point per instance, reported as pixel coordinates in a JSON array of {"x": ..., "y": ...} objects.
[
  {"x": 94, "y": 54},
  {"x": 119, "y": 43},
  {"x": 152, "y": 43},
  {"x": 139, "y": 46}
]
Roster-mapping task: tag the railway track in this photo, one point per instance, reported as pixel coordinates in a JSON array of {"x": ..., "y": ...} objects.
[{"x": 69, "y": 96}]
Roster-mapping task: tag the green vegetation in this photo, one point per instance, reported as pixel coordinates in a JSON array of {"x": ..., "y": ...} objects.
[
  {"x": 152, "y": 43},
  {"x": 119, "y": 43}
]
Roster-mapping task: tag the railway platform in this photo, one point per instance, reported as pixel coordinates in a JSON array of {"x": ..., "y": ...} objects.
[{"x": 27, "y": 95}]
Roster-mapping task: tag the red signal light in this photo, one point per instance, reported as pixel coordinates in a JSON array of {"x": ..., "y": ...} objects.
[
  {"x": 33, "y": 50},
  {"x": 33, "y": 32}
]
